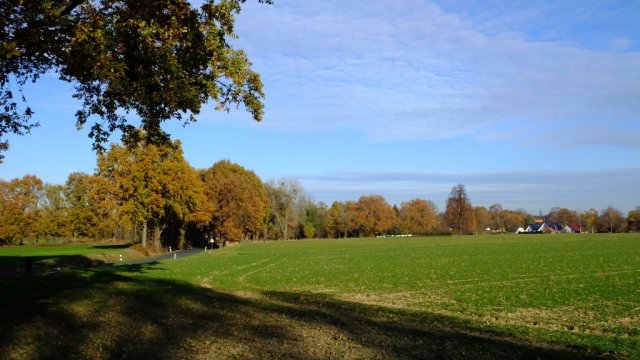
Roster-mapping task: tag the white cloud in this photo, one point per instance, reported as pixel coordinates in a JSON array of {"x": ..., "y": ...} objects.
[{"x": 408, "y": 69}]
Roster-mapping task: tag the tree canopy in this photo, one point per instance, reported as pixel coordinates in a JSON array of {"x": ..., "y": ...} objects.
[
  {"x": 418, "y": 216},
  {"x": 284, "y": 195},
  {"x": 371, "y": 215},
  {"x": 19, "y": 209},
  {"x": 240, "y": 202},
  {"x": 153, "y": 186},
  {"x": 336, "y": 220},
  {"x": 459, "y": 214},
  {"x": 160, "y": 59}
]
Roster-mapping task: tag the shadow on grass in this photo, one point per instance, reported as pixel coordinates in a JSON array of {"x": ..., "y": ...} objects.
[
  {"x": 15, "y": 265},
  {"x": 112, "y": 313},
  {"x": 120, "y": 246}
]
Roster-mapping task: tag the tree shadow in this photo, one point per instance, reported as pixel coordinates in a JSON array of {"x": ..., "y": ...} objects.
[
  {"x": 407, "y": 334},
  {"x": 119, "y": 313},
  {"x": 120, "y": 246},
  {"x": 15, "y": 265}
]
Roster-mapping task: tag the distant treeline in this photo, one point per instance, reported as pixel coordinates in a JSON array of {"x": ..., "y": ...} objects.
[{"x": 150, "y": 194}]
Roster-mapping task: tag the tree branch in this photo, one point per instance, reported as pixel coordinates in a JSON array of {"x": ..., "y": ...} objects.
[{"x": 66, "y": 9}]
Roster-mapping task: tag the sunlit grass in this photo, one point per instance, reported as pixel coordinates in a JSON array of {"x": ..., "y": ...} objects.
[
  {"x": 581, "y": 289},
  {"x": 557, "y": 296}
]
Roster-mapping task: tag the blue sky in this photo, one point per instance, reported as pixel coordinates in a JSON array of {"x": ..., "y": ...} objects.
[{"x": 530, "y": 104}]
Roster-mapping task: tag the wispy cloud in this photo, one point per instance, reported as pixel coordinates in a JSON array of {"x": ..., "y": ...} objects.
[
  {"x": 410, "y": 69},
  {"x": 533, "y": 191},
  {"x": 621, "y": 44}
]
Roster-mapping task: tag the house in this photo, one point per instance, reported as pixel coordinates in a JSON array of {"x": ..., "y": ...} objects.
[
  {"x": 577, "y": 228},
  {"x": 533, "y": 228},
  {"x": 541, "y": 226},
  {"x": 551, "y": 227}
]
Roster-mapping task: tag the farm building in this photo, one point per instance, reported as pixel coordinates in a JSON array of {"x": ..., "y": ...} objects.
[
  {"x": 576, "y": 228},
  {"x": 550, "y": 227},
  {"x": 541, "y": 226}
]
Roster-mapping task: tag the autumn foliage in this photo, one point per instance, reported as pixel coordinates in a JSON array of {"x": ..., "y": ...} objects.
[
  {"x": 418, "y": 217},
  {"x": 459, "y": 215},
  {"x": 238, "y": 199},
  {"x": 148, "y": 193},
  {"x": 162, "y": 60},
  {"x": 370, "y": 216}
]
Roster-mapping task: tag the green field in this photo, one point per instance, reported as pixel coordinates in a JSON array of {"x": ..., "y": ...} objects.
[{"x": 556, "y": 296}]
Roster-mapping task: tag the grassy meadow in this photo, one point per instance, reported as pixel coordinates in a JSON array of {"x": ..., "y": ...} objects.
[{"x": 509, "y": 296}]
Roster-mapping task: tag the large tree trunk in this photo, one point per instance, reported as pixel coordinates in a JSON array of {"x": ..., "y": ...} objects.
[
  {"x": 181, "y": 236},
  {"x": 144, "y": 235},
  {"x": 157, "y": 232},
  {"x": 285, "y": 227}
]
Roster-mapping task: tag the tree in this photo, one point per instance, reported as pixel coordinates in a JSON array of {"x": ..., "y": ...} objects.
[
  {"x": 484, "y": 219},
  {"x": 81, "y": 215},
  {"x": 92, "y": 208},
  {"x": 611, "y": 220},
  {"x": 567, "y": 217},
  {"x": 562, "y": 216},
  {"x": 239, "y": 200},
  {"x": 417, "y": 216},
  {"x": 284, "y": 197},
  {"x": 512, "y": 220},
  {"x": 135, "y": 174},
  {"x": 104, "y": 206},
  {"x": 336, "y": 220},
  {"x": 526, "y": 217},
  {"x": 590, "y": 219},
  {"x": 184, "y": 196},
  {"x": 459, "y": 213},
  {"x": 353, "y": 217},
  {"x": 161, "y": 59},
  {"x": 153, "y": 186},
  {"x": 19, "y": 208},
  {"x": 633, "y": 219},
  {"x": 552, "y": 216},
  {"x": 371, "y": 215},
  {"x": 495, "y": 211},
  {"x": 312, "y": 219},
  {"x": 55, "y": 220}
]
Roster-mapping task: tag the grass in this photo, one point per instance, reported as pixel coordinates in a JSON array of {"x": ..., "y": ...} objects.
[
  {"x": 562, "y": 296},
  {"x": 46, "y": 258}
]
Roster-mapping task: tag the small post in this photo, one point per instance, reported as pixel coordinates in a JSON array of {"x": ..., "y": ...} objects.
[
  {"x": 174, "y": 256},
  {"x": 169, "y": 249}
]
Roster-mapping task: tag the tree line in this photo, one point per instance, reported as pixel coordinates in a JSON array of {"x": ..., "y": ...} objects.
[{"x": 148, "y": 193}]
